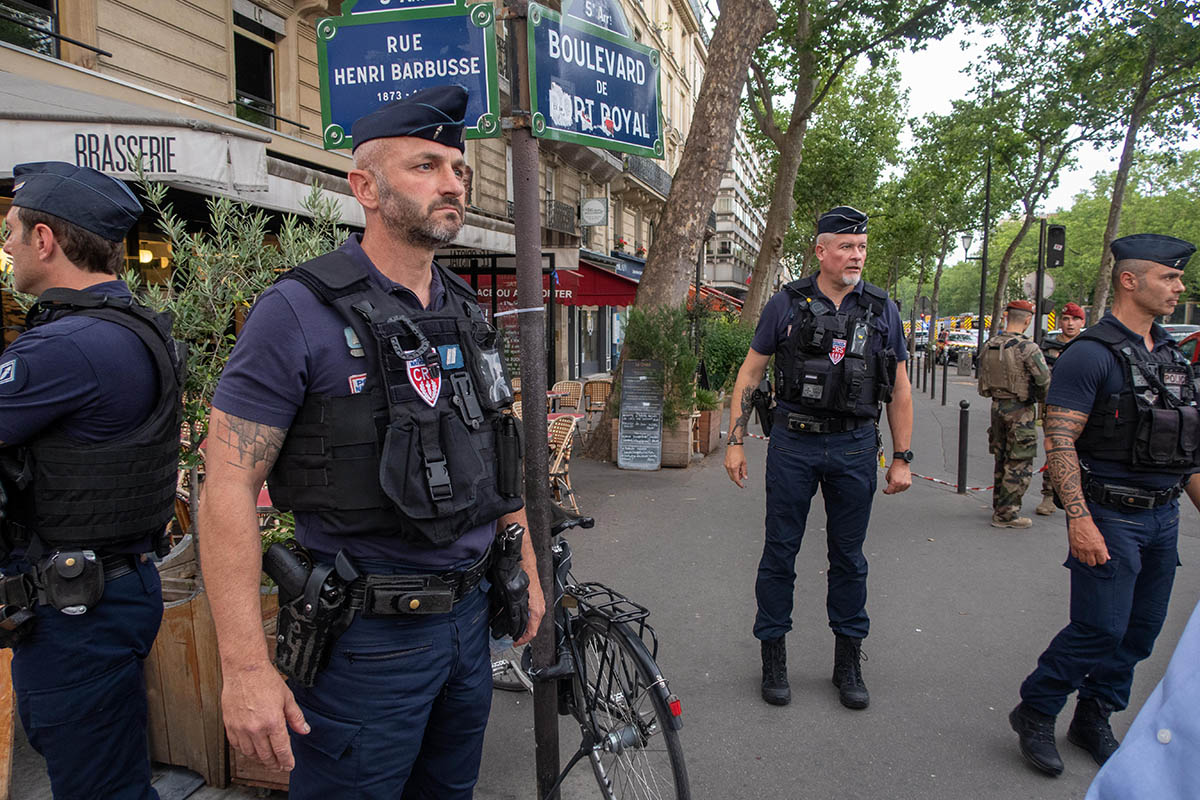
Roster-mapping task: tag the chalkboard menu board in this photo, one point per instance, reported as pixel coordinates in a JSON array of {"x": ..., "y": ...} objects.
[{"x": 639, "y": 445}]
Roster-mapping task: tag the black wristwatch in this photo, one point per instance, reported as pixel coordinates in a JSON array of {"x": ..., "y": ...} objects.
[{"x": 903, "y": 455}]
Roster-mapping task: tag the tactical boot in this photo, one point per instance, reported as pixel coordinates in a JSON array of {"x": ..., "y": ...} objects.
[
  {"x": 1036, "y": 732},
  {"x": 774, "y": 673},
  {"x": 1011, "y": 522},
  {"x": 1046, "y": 507},
  {"x": 1090, "y": 730},
  {"x": 847, "y": 672}
]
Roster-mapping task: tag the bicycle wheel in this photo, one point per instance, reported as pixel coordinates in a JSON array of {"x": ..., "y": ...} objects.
[
  {"x": 508, "y": 672},
  {"x": 638, "y": 754}
]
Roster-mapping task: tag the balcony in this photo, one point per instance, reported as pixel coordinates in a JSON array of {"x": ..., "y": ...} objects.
[
  {"x": 560, "y": 217},
  {"x": 649, "y": 173}
]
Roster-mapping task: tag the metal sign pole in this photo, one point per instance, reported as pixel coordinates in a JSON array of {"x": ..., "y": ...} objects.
[{"x": 1037, "y": 290}]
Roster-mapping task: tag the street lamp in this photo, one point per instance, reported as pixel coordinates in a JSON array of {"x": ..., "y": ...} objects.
[{"x": 967, "y": 239}]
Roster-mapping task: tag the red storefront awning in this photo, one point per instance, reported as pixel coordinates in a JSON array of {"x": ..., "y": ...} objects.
[
  {"x": 589, "y": 286},
  {"x": 600, "y": 287},
  {"x": 715, "y": 298}
]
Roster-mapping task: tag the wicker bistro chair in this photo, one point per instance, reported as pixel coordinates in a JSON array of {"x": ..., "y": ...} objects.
[
  {"x": 595, "y": 398},
  {"x": 561, "y": 435},
  {"x": 515, "y": 410},
  {"x": 574, "y": 394},
  {"x": 516, "y": 387}
]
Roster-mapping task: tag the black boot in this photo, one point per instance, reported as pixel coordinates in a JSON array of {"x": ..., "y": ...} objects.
[
  {"x": 1036, "y": 732},
  {"x": 847, "y": 672},
  {"x": 1090, "y": 729},
  {"x": 774, "y": 673}
]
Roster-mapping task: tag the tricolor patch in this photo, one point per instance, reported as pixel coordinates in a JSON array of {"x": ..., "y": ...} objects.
[{"x": 357, "y": 382}]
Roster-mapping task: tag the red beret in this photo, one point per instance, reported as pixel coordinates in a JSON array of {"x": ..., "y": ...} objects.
[
  {"x": 1021, "y": 305},
  {"x": 1073, "y": 310}
]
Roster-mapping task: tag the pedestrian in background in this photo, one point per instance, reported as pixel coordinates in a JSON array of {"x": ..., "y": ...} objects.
[
  {"x": 89, "y": 420},
  {"x": 1013, "y": 373},
  {"x": 1122, "y": 427},
  {"x": 839, "y": 357},
  {"x": 1070, "y": 323}
]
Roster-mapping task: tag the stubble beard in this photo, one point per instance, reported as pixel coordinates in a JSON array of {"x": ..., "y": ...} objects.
[
  {"x": 404, "y": 218},
  {"x": 851, "y": 280}
]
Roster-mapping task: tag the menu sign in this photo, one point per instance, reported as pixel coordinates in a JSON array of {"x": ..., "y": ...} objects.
[{"x": 639, "y": 444}]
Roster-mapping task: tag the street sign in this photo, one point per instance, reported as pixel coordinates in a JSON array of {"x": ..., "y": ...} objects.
[
  {"x": 1029, "y": 284},
  {"x": 371, "y": 6},
  {"x": 593, "y": 87},
  {"x": 602, "y": 13},
  {"x": 368, "y": 60}
]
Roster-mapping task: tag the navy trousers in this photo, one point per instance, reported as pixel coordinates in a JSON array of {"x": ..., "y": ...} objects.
[
  {"x": 401, "y": 709},
  {"x": 1117, "y": 610},
  {"x": 80, "y": 692},
  {"x": 844, "y": 466}
]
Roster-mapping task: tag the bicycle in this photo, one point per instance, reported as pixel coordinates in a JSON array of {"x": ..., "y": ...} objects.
[{"x": 609, "y": 681}]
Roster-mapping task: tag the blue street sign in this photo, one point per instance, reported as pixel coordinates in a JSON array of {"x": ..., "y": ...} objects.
[
  {"x": 368, "y": 60},
  {"x": 602, "y": 13},
  {"x": 593, "y": 87},
  {"x": 369, "y": 6}
]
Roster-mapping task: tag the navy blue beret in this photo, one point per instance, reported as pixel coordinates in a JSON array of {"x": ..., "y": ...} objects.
[
  {"x": 79, "y": 195},
  {"x": 842, "y": 219},
  {"x": 437, "y": 114},
  {"x": 1166, "y": 250}
]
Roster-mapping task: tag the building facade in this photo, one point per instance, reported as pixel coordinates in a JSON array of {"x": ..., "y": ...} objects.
[{"x": 739, "y": 222}]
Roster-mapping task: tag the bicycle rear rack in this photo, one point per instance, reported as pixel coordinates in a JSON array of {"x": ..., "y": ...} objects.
[{"x": 599, "y": 600}]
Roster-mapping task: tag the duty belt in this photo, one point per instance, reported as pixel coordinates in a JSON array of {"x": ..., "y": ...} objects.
[
  {"x": 21, "y": 590},
  {"x": 1127, "y": 497},
  {"x": 806, "y": 423},
  {"x": 394, "y": 595}
]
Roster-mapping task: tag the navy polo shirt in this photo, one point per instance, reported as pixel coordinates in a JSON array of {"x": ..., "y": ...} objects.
[
  {"x": 775, "y": 325},
  {"x": 1086, "y": 372},
  {"x": 293, "y": 344},
  {"x": 88, "y": 379}
]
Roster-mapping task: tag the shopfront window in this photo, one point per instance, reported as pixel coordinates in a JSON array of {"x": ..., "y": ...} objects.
[
  {"x": 25, "y": 23},
  {"x": 152, "y": 261}
]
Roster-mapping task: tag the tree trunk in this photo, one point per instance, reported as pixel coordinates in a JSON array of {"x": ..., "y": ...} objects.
[
  {"x": 672, "y": 259},
  {"x": 931, "y": 342},
  {"x": 1002, "y": 273}
]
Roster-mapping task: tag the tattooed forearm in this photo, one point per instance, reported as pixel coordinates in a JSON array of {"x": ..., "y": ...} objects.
[
  {"x": 255, "y": 445},
  {"x": 737, "y": 431},
  {"x": 1063, "y": 426}
]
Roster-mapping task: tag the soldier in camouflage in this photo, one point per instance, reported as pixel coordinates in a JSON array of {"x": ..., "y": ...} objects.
[
  {"x": 1013, "y": 372},
  {"x": 1070, "y": 324}
]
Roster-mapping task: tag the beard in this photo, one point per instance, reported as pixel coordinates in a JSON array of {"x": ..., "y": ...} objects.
[
  {"x": 404, "y": 218},
  {"x": 851, "y": 279}
]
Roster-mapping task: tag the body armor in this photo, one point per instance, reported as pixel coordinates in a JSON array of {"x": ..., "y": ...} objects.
[
  {"x": 422, "y": 453},
  {"x": 97, "y": 495},
  {"x": 1002, "y": 371},
  {"x": 832, "y": 363},
  {"x": 1052, "y": 347},
  {"x": 1152, "y": 424}
]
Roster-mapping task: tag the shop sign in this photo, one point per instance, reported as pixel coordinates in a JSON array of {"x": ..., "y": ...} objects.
[
  {"x": 593, "y": 87},
  {"x": 593, "y": 211},
  {"x": 367, "y": 60}
]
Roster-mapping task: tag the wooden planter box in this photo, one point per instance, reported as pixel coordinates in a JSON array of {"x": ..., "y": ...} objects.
[{"x": 710, "y": 430}]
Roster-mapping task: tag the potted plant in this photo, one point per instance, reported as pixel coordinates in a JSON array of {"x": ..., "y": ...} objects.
[
  {"x": 620, "y": 243},
  {"x": 641, "y": 251}
]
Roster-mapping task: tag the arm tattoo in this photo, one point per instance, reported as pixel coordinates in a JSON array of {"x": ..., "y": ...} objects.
[
  {"x": 257, "y": 445},
  {"x": 737, "y": 431},
  {"x": 1063, "y": 426}
]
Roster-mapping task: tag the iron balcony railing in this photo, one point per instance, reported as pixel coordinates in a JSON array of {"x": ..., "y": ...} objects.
[
  {"x": 560, "y": 216},
  {"x": 649, "y": 173}
]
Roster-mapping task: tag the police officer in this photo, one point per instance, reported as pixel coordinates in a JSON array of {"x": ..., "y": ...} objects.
[
  {"x": 839, "y": 355},
  {"x": 1121, "y": 432},
  {"x": 366, "y": 386},
  {"x": 1070, "y": 323},
  {"x": 89, "y": 419},
  {"x": 1013, "y": 373}
]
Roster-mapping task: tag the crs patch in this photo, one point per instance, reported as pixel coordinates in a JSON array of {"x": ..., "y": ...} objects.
[
  {"x": 13, "y": 374},
  {"x": 357, "y": 382},
  {"x": 838, "y": 351},
  {"x": 451, "y": 355}
]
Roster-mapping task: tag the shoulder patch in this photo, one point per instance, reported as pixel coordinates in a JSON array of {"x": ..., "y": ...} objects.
[{"x": 13, "y": 374}]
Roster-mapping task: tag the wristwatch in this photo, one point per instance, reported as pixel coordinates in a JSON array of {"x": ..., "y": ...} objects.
[{"x": 903, "y": 455}]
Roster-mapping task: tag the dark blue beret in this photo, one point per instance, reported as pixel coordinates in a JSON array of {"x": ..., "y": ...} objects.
[
  {"x": 842, "y": 219},
  {"x": 80, "y": 195},
  {"x": 1166, "y": 250},
  {"x": 437, "y": 114}
]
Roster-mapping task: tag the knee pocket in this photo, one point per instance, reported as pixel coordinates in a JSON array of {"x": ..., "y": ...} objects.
[
  {"x": 113, "y": 694},
  {"x": 1095, "y": 597}
]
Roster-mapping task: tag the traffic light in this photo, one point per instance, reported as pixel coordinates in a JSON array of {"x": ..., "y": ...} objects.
[{"x": 1056, "y": 246}]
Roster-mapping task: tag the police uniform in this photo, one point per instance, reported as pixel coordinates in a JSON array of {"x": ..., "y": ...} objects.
[
  {"x": 834, "y": 368},
  {"x": 393, "y": 417},
  {"x": 1136, "y": 450},
  {"x": 89, "y": 417},
  {"x": 1013, "y": 373},
  {"x": 1052, "y": 347}
]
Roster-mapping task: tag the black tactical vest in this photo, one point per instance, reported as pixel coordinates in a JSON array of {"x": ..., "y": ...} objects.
[
  {"x": 97, "y": 495},
  {"x": 1152, "y": 424},
  {"x": 1052, "y": 348},
  {"x": 835, "y": 364},
  {"x": 385, "y": 461}
]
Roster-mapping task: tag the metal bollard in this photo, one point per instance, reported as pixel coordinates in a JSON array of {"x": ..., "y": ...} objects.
[
  {"x": 932, "y": 376},
  {"x": 945, "y": 373},
  {"x": 964, "y": 413}
]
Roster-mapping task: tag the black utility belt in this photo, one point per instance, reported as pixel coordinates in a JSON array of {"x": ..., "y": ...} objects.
[
  {"x": 398, "y": 595},
  {"x": 1127, "y": 497},
  {"x": 806, "y": 423}
]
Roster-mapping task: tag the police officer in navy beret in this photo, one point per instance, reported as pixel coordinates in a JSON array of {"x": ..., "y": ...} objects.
[
  {"x": 367, "y": 390},
  {"x": 1122, "y": 426},
  {"x": 89, "y": 420},
  {"x": 839, "y": 358}
]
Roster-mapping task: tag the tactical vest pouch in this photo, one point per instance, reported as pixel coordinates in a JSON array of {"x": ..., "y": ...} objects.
[
  {"x": 816, "y": 384},
  {"x": 885, "y": 369},
  {"x": 509, "y": 451},
  {"x": 72, "y": 580},
  {"x": 1167, "y": 437},
  {"x": 487, "y": 365}
]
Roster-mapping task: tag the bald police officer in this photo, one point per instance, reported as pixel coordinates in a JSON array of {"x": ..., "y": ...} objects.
[
  {"x": 367, "y": 386},
  {"x": 1070, "y": 323},
  {"x": 839, "y": 356},
  {"x": 89, "y": 419},
  {"x": 1122, "y": 426}
]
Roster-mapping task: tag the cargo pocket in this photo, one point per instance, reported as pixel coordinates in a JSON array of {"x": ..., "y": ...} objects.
[
  {"x": 1094, "y": 594},
  {"x": 113, "y": 694},
  {"x": 330, "y": 737}
]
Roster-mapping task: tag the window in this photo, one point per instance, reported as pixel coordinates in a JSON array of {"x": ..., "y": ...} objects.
[
  {"x": 254, "y": 62},
  {"x": 29, "y": 18},
  {"x": 724, "y": 248}
]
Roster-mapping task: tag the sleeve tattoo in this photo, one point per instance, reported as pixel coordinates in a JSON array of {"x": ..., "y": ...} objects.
[
  {"x": 256, "y": 445},
  {"x": 1063, "y": 427},
  {"x": 737, "y": 431}
]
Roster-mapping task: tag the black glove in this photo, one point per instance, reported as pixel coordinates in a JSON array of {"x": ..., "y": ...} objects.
[{"x": 509, "y": 596}]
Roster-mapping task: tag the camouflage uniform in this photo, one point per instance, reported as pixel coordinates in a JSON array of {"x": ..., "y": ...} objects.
[{"x": 1012, "y": 436}]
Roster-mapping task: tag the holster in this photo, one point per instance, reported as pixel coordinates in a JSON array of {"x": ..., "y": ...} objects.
[
  {"x": 508, "y": 597},
  {"x": 17, "y": 620},
  {"x": 760, "y": 399},
  {"x": 71, "y": 580}
]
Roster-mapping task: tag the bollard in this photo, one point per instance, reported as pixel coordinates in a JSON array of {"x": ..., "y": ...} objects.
[
  {"x": 964, "y": 413},
  {"x": 932, "y": 377},
  {"x": 945, "y": 377},
  {"x": 921, "y": 371}
]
